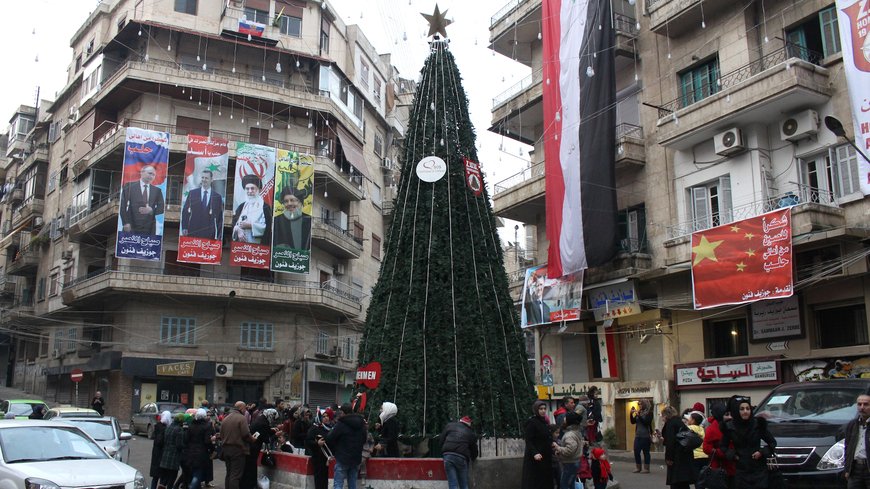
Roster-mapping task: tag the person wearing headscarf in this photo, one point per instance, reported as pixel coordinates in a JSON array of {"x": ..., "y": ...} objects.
[
  {"x": 38, "y": 413},
  {"x": 388, "y": 430},
  {"x": 300, "y": 427},
  {"x": 157, "y": 447},
  {"x": 680, "y": 461},
  {"x": 570, "y": 449},
  {"x": 264, "y": 437},
  {"x": 712, "y": 439},
  {"x": 173, "y": 445},
  {"x": 538, "y": 456},
  {"x": 319, "y": 458},
  {"x": 198, "y": 442},
  {"x": 643, "y": 420},
  {"x": 741, "y": 442}
]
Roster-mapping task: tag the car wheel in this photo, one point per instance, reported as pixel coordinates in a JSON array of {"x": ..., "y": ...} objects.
[{"x": 150, "y": 432}]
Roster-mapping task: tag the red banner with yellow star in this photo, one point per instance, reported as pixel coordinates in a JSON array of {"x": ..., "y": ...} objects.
[{"x": 744, "y": 261}]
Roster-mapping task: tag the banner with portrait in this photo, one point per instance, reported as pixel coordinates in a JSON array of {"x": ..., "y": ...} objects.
[
  {"x": 200, "y": 237},
  {"x": 252, "y": 206},
  {"x": 143, "y": 194},
  {"x": 550, "y": 300},
  {"x": 291, "y": 225}
]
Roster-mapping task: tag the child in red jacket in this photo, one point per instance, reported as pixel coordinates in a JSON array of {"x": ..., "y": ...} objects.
[{"x": 600, "y": 468}]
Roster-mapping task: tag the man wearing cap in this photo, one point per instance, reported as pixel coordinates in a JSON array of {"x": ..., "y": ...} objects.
[
  {"x": 292, "y": 227},
  {"x": 250, "y": 222},
  {"x": 459, "y": 449},
  {"x": 857, "y": 444}
]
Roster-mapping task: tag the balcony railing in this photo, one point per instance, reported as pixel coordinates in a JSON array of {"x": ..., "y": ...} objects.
[
  {"x": 516, "y": 88},
  {"x": 801, "y": 194},
  {"x": 724, "y": 82},
  {"x": 624, "y": 23},
  {"x": 502, "y": 12},
  {"x": 331, "y": 227},
  {"x": 534, "y": 171},
  {"x": 626, "y": 130}
]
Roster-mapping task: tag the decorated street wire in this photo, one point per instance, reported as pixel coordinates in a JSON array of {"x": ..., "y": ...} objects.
[{"x": 441, "y": 323}]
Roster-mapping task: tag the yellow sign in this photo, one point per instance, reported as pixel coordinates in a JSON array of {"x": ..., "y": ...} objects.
[{"x": 180, "y": 369}]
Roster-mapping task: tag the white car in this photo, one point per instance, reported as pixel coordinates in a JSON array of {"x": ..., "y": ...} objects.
[
  {"x": 54, "y": 455},
  {"x": 106, "y": 431}
]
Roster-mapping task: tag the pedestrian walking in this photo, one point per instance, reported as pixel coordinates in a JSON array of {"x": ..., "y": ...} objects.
[
  {"x": 320, "y": 454},
  {"x": 97, "y": 403},
  {"x": 173, "y": 445},
  {"x": 538, "y": 456},
  {"x": 681, "y": 469},
  {"x": 235, "y": 436},
  {"x": 458, "y": 449},
  {"x": 346, "y": 440},
  {"x": 157, "y": 447},
  {"x": 699, "y": 457},
  {"x": 857, "y": 444},
  {"x": 642, "y": 419},
  {"x": 569, "y": 450},
  {"x": 199, "y": 442},
  {"x": 712, "y": 439},
  {"x": 601, "y": 471},
  {"x": 388, "y": 431},
  {"x": 746, "y": 432}
]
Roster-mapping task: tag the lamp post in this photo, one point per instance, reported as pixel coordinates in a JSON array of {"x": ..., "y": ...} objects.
[{"x": 835, "y": 126}]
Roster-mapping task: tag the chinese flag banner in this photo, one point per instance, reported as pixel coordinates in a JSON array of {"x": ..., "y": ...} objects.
[{"x": 744, "y": 261}]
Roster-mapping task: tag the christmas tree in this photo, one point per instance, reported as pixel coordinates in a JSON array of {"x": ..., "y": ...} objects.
[{"x": 441, "y": 320}]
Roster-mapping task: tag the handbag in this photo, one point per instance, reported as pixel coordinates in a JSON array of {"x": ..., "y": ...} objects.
[
  {"x": 656, "y": 438},
  {"x": 688, "y": 439},
  {"x": 710, "y": 478},
  {"x": 267, "y": 459}
]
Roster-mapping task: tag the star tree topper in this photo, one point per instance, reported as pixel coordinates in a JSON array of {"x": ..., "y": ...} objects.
[{"x": 437, "y": 23}]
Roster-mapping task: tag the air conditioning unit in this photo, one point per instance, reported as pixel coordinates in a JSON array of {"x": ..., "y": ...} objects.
[
  {"x": 729, "y": 142},
  {"x": 388, "y": 163},
  {"x": 799, "y": 126},
  {"x": 38, "y": 221},
  {"x": 340, "y": 269},
  {"x": 66, "y": 255},
  {"x": 223, "y": 370}
]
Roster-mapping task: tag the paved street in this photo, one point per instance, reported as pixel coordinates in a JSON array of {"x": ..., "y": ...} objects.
[{"x": 140, "y": 457}]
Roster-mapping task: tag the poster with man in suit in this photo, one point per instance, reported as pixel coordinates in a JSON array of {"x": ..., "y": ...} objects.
[
  {"x": 143, "y": 190},
  {"x": 200, "y": 238}
]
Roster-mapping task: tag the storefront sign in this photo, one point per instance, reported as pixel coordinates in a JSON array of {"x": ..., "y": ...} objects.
[
  {"x": 179, "y": 369},
  {"x": 703, "y": 375},
  {"x": 630, "y": 391},
  {"x": 830, "y": 368},
  {"x": 613, "y": 301},
  {"x": 775, "y": 319},
  {"x": 330, "y": 375}
]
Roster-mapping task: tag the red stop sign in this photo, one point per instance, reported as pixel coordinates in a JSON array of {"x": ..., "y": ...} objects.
[{"x": 76, "y": 375}]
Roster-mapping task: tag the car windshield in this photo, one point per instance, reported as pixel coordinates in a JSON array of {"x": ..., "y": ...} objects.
[
  {"x": 829, "y": 404},
  {"x": 97, "y": 429},
  {"x": 46, "y": 443},
  {"x": 22, "y": 409}
]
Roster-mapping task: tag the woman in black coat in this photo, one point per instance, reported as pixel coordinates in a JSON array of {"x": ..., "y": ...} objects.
[
  {"x": 157, "y": 447},
  {"x": 537, "y": 460},
  {"x": 319, "y": 460},
  {"x": 680, "y": 461},
  {"x": 199, "y": 444},
  {"x": 261, "y": 429},
  {"x": 746, "y": 432}
]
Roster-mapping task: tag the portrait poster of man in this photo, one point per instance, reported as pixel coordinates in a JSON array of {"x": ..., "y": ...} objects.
[
  {"x": 200, "y": 238},
  {"x": 550, "y": 300},
  {"x": 291, "y": 225},
  {"x": 143, "y": 193},
  {"x": 252, "y": 211}
]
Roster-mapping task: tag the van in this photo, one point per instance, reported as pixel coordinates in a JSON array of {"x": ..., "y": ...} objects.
[{"x": 807, "y": 419}]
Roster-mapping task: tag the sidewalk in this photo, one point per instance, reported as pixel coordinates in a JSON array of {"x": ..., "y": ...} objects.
[{"x": 627, "y": 456}]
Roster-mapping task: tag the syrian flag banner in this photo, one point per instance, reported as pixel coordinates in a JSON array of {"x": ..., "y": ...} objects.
[
  {"x": 607, "y": 353},
  {"x": 854, "y": 21},
  {"x": 744, "y": 261},
  {"x": 579, "y": 137}
]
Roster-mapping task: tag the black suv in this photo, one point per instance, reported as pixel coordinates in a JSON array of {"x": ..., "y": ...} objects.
[{"x": 807, "y": 419}]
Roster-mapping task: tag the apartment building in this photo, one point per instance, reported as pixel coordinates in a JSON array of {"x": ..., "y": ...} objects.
[
  {"x": 720, "y": 110},
  {"x": 282, "y": 73}
]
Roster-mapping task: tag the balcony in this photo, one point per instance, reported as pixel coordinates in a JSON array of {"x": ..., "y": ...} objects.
[
  {"x": 519, "y": 110},
  {"x": 521, "y": 196},
  {"x": 337, "y": 182},
  {"x": 626, "y": 33},
  {"x": 21, "y": 310},
  {"x": 327, "y": 298},
  {"x": 38, "y": 155},
  {"x": 677, "y": 17},
  {"x": 7, "y": 285},
  {"x": 761, "y": 92},
  {"x": 630, "y": 147},
  {"x": 29, "y": 208},
  {"x": 813, "y": 210},
  {"x": 338, "y": 242},
  {"x": 27, "y": 258},
  {"x": 388, "y": 207},
  {"x": 514, "y": 28}
]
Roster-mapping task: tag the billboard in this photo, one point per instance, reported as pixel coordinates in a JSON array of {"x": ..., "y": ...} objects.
[
  {"x": 253, "y": 191},
  {"x": 293, "y": 202},
  {"x": 200, "y": 237}
]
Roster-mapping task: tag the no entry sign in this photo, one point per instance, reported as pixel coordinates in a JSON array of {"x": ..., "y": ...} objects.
[{"x": 76, "y": 375}]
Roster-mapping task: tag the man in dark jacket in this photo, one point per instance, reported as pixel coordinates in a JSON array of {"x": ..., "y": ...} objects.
[
  {"x": 459, "y": 449},
  {"x": 346, "y": 440},
  {"x": 857, "y": 444}
]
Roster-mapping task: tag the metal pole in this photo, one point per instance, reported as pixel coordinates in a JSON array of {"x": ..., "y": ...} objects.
[{"x": 77, "y": 394}]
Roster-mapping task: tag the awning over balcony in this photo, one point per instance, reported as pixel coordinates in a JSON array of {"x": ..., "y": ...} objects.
[{"x": 352, "y": 151}]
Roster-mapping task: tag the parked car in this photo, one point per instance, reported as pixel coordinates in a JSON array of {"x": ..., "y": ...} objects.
[
  {"x": 71, "y": 411},
  {"x": 106, "y": 431},
  {"x": 38, "y": 453},
  {"x": 807, "y": 419},
  {"x": 149, "y": 415},
  {"x": 21, "y": 408}
]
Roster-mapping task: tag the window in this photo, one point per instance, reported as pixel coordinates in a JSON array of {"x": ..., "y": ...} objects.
[
  {"x": 78, "y": 63},
  {"x": 40, "y": 289},
  {"x": 819, "y": 262},
  {"x": 376, "y": 91},
  {"x": 72, "y": 339},
  {"x": 829, "y": 176},
  {"x": 54, "y": 283},
  {"x": 324, "y": 36},
  {"x": 63, "y": 175},
  {"x": 710, "y": 204},
  {"x": 357, "y": 105},
  {"x": 58, "y": 339},
  {"x": 358, "y": 230},
  {"x": 632, "y": 230},
  {"x": 177, "y": 331},
  {"x": 322, "y": 346},
  {"x": 364, "y": 73},
  {"x": 699, "y": 82},
  {"x": 379, "y": 144},
  {"x": 54, "y": 132},
  {"x": 90, "y": 48},
  {"x": 725, "y": 338},
  {"x": 255, "y": 15},
  {"x": 850, "y": 321},
  {"x": 186, "y": 6},
  {"x": 817, "y": 36},
  {"x": 291, "y": 26},
  {"x": 376, "y": 246},
  {"x": 52, "y": 182},
  {"x": 257, "y": 336},
  {"x": 376, "y": 198},
  {"x": 347, "y": 350}
]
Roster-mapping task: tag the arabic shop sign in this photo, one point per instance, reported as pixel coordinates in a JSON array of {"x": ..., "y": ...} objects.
[
  {"x": 774, "y": 319},
  {"x": 708, "y": 375},
  {"x": 178, "y": 369},
  {"x": 330, "y": 375},
  {"x": 613, "y": 301}
]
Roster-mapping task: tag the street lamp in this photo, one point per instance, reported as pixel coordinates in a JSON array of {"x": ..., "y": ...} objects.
[{"x": 835, "y": 126}]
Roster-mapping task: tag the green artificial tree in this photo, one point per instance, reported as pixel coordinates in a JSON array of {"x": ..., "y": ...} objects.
[{"x": 441, "y": 321}]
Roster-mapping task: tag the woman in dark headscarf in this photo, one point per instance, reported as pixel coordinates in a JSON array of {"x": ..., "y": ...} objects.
[
  {"x": 712, "y": 439},
  {"x": 538, "y": 457},
  {"x": 261, "y": 430},
  {"x": 741, "y": 442},
  {"x": 680, "y": 461}
]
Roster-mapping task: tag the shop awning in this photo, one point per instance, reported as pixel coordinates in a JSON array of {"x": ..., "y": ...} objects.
[{"x": 352, "y": 151}]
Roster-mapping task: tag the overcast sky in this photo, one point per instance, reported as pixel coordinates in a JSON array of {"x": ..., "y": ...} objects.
[{"x": 37, "y": 53}]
